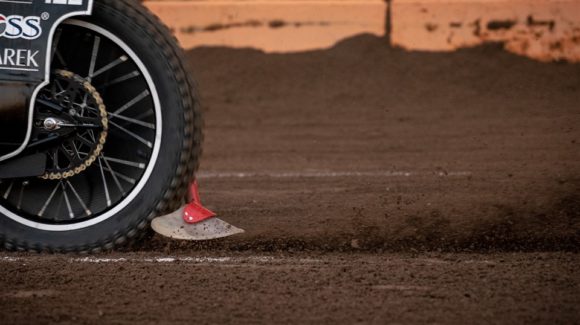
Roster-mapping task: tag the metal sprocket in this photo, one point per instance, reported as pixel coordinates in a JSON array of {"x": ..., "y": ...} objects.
[{"x": 67, "y": 98}]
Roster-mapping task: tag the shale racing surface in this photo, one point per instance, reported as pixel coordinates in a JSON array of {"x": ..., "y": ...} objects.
[
  {"x": 367, "y": 147},
  {"x": 349, "y": 168},
  {"x": 299, "y": 288}
]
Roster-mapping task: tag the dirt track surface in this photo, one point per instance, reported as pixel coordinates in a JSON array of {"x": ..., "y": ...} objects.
[
  {"x": 298, "y": 288},
  {"x": 376, "y": 148},
  {"x": 339, "y": 164}
]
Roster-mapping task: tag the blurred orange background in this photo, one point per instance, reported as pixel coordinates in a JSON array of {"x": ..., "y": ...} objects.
[{"x": 543, "y": 29}]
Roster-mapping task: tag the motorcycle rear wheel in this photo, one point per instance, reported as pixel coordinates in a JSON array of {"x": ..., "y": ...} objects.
[{"x": 150, "y": 150}]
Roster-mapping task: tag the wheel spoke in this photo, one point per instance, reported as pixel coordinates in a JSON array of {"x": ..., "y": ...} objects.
[
  {"x": 69, "y": 155},
  {"x": 95, "y": 53},
  {"x": 127, "y": 179},
  {"x": 132, "y": 102},
  {"x": 60, "y": 58},
  {"x": 62, "y": 89},
  {"x": 103, "y": 178},
  {"x": 140, "y": 139},
  {"x": 24, "y": 184},
  {"x": 144, "y": 115},
  {"x": 55, "y": 159},
  {"x": 67, "y": 201},
  {"x": 84, "y": 140},
  {"x": 50, "y": 105},
  {"x": 55, "y": 52},
  {"x": 47, "y": 202},
  {"x": 126, "y": 77},
  {"x": 125, "y": 162},
  {"x": 84, "y": 104},
  {"x": 7, "y": 193},
  {"x": 110, "y": 66},
  {"x": 134, "y": 121},
  {"x": 82, "y": 203},
  {"x": 75, "y": 150},
  {"x": 114, "y": 175}
]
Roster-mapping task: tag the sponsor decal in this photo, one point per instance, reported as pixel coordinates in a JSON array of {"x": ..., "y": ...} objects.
[
  {"x": 25, "y": 28},
  {"x": 15, "y": 26},
  {"x": 2, "y": 24},
  {"x": 19, "y": 59}
]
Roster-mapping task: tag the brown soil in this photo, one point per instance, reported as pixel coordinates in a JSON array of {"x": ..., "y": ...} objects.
[
  {"x": 492, "y": 142},
  {"x": 298, "y": 289},
  {"x": 361, "y": 148}
]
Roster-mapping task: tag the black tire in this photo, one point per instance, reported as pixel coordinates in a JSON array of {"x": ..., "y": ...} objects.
[{"x": 180, "y": 144}]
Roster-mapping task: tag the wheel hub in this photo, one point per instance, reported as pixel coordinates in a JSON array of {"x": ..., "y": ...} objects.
[
  {"x": 51, "y": 124},
  {"x": 71, "y": 125}
]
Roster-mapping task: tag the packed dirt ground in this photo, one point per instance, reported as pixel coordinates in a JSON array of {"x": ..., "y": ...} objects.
[
  {"x": 375, "y": 186},
  {"x": 377, "y": 148},
  {"x": 300, "y": 288}
]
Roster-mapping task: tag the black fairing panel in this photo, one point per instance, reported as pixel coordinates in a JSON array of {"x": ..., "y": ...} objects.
[
  {"x": 13, "y": 115},
  {"x": 26, "y": 35}
]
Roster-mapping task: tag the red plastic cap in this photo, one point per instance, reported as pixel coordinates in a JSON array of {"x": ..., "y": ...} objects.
[{"x": 195, "y": 212}]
